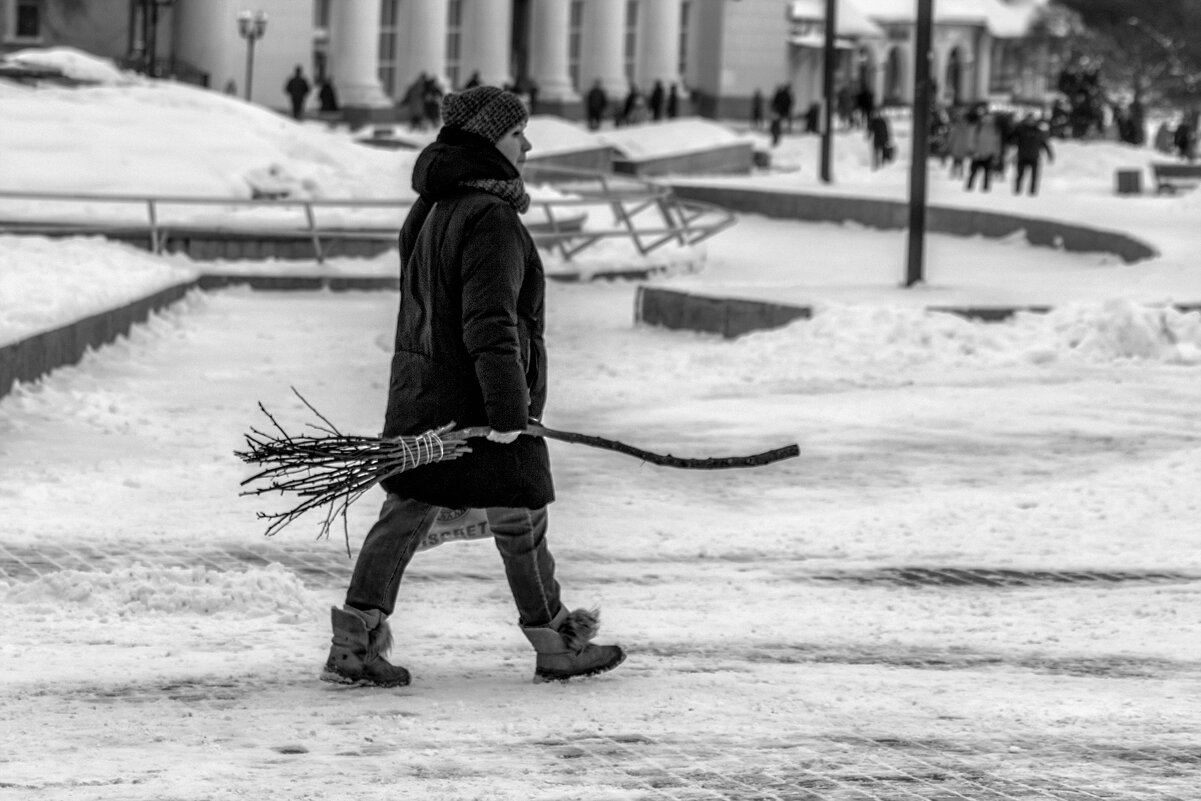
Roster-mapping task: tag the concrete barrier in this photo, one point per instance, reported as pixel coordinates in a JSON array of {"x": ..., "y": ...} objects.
[
  {"x": 729, "y": 317},
  {"x": 894, "y": 214},
  {"x": 732, "y": 317},
  {"x": 735, "y": 158},
  {"x": 30, "y": 359},
  {"x": 597, "y": 159}
]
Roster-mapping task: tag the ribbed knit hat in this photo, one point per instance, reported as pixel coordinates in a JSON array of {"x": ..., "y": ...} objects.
[{"x": 485, "y": 111}]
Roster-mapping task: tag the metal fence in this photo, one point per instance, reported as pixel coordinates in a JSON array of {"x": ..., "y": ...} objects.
[{"x": 584, "y": 208}]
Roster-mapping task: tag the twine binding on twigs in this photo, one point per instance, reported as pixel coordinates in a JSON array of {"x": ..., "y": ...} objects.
[{"x": 333, "y": 470}]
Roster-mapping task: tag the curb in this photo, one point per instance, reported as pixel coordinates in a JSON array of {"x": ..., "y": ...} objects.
[
  {"x": 30, "y": 359},
  {"x": 732, "y": 317},
  {"x": 894, "y": 214}
]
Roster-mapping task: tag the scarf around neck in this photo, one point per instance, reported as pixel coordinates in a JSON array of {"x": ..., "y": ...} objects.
[{"x": 512, "y": 191}]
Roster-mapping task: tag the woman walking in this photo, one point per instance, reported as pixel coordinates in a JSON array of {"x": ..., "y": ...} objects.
[{"x": 468, "y": 349}]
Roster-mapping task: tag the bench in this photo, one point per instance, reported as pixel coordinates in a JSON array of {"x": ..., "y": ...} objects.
[{"x": 1170, "y": 177}]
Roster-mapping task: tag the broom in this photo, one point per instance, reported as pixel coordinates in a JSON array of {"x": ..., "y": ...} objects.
[{"x": 333, "y": 470}]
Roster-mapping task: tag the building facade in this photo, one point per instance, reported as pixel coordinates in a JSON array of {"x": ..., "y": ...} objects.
[{"x": 716, "y": 52}]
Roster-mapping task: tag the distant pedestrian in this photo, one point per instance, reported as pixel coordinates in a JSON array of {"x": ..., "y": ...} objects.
[
  {"x": 327, "y": 97},
  {"x": 673, "y": 102},
  {"x": 1185, "y": 140},
  {"x": 781, "y": 105},
  {"x": 865, "y": 104},
  {"x": 813, "y": 118},
  {"x": 633, "y": 111},
  {"x": 431, "y": 98},
  {"x": 777, "y": 129},
  {"x": 880, "y": 135},
  {"x": 757, "y": 110},
  {"x": 1031, "y": 137},
  {"x": 1163, "y": 138},
  {"x": 596, "y": 102},
  {"x": 297, "y": 89},
  {"x": 958, "y": 140},
  {"x": 985, "y": 147},
  {"x": 413, "y": 101},
  {"x": 845, "y": 104},
  {"x": 657, "y": 99}
]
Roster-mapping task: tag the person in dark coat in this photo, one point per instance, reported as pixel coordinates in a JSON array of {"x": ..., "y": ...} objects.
[
  {"x": 328, "y": 97},
  {"x": 596, "y": 103},
  {"x": 297, "y": 89},
  {"x": 657, "y": 99},
  {"x": 757, "y": 110},
  {"x": 1031, "y": 138},
  {"x": 880, "y": 134},
  {"x": 468, "y": 351},
  {"x": 673, "y": 102},
  {"x": 1185, "y": 140}
]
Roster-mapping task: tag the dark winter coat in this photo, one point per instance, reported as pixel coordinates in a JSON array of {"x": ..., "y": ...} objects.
[
  {"x": 469, "y": 335},
  {"x": 297, "y": 88},
  {"x": 1031, "y": 140}
]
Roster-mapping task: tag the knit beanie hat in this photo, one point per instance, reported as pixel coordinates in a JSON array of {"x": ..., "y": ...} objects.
[{"x": 485, "y": 111}]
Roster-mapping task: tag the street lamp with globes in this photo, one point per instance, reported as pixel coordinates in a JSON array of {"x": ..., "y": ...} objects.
[{"x": 251, "y": 26}]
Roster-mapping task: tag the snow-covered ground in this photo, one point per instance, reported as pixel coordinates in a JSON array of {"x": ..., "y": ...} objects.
[{"x": 772, "y": 654}]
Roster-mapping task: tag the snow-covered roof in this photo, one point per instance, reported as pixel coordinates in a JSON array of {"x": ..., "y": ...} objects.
[
  {"x": 850, "y": 20},
  {"x": 1004, "y": 18}
]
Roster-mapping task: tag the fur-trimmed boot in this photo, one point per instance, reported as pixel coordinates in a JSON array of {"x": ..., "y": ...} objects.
[
  {"x": 565, "y": 648},
  {"x": 356, "y": 656}
]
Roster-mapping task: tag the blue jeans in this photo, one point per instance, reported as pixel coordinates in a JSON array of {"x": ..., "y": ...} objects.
[{"x": 519, "y": 534}]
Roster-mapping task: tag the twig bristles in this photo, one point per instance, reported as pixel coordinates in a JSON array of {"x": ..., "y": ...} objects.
[{"x": 334, "y": 469}]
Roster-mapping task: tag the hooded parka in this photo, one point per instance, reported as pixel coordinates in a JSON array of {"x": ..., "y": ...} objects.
[{"x": 469, "y": 335}]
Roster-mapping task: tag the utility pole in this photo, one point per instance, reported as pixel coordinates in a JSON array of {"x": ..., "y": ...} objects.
[
  {"x": 921, "y": 143},
  {"x": 830, "y": 66}
]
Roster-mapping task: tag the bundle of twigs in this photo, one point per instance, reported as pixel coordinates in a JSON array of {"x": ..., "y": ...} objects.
[{"x": 330, "y": 469}]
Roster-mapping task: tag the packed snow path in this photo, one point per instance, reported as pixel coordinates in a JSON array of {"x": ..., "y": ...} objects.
[{"x": 979, "y": 581}]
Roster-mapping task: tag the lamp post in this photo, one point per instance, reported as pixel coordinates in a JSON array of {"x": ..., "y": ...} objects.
[
  {"x": 251, "y": 26},
  {"x": 914, "y": 269},
  {"x": 829, "y": 65}
]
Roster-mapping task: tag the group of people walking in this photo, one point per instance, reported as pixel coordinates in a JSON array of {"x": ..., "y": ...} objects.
[
  {"x": 978, "y": 142},
  {"x": 298, "y": 89},
  {"x": 637, "y": 107},
  {"x": 1180, "y": 139}
]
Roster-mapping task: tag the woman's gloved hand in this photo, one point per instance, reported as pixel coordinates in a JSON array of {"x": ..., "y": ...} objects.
[{"x": 503, "y": 437}]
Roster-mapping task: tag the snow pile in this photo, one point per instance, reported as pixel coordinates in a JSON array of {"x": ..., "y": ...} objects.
[
  {"x": 669, "y": 138},
  {"x": 553, "y": 135},
  {"x": 46, "y": 283},
  {"x": 1119, "y": 329},
  {"x": 839, "y": 336},
  {"x": 140, "y": 589},
  {"x": 201, "y": 143},
  {"x": 74, "y": 64}
]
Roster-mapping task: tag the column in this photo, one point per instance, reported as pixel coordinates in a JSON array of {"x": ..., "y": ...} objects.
[
  {"x": 602, "y": 47},
  {"x": 212, "y": 43},
  {"x": 983, "y": 64},
  {"x": 425, "y": 21},
  {"x": 939, "y": 59},
  {"x": 354, "y": 53},
  {"x": 549, "y": 24},
  {"x": 486, "y": 26},
  {"x": 658, "y": 44}
]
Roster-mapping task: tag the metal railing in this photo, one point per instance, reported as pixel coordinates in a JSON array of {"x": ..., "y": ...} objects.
[{"x": 648, "y": 214}]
